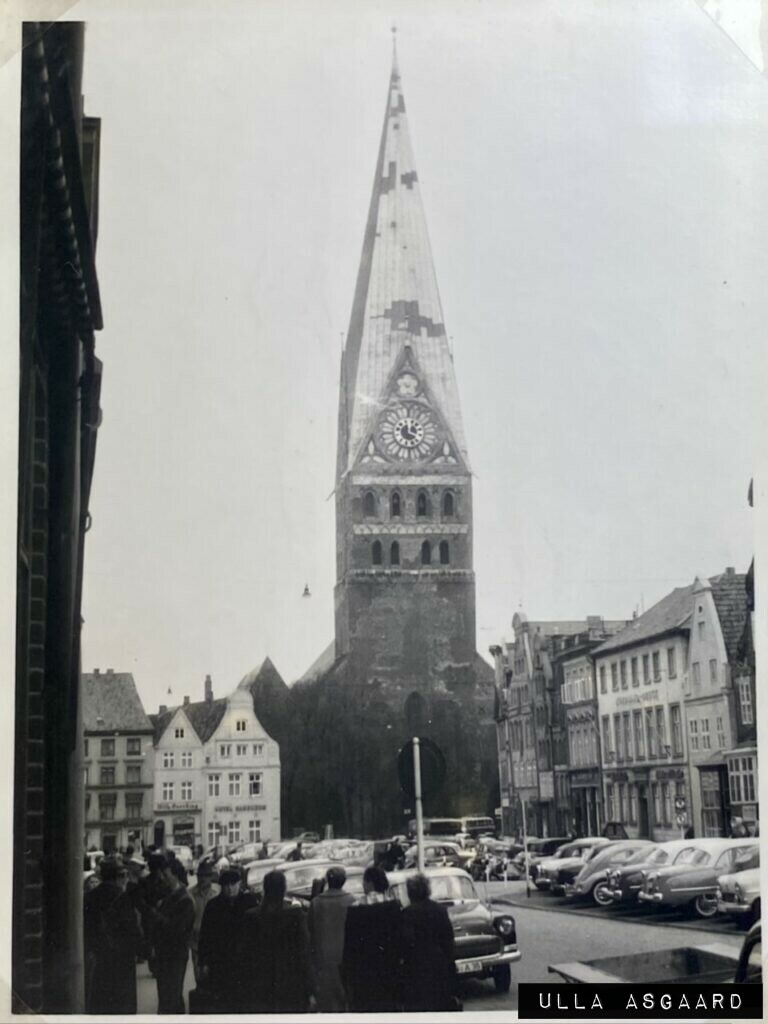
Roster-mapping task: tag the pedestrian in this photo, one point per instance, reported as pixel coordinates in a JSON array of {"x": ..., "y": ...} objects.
[
  {"x": 220, "y": 950},
  {"x": 373, "y": 948},
  {"x": 151, "y": 890},
  {"x": 295, "y": 853},
  {"x": 689, "y": 833},
  {"x": 264, "y": 851},
  {"x": 202, "y": 894},
  {"x": 172, "y": 923},
  {"x": 429, "y": 969},
  {"x": 276, "y": 952},
  {"x": 327, "y": 918},
  {"x": 738, "y": 828},
  {"x": 112, "y": 938},
  {"x": 178, "y": 868}
]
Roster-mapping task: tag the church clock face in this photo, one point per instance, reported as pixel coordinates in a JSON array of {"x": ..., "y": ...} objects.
[{"x": 407, "y": 432}]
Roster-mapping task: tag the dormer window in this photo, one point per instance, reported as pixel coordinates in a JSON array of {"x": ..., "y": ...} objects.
[
  {"x": 240, "y": 725},
  {"x": 179, "y": 733}
]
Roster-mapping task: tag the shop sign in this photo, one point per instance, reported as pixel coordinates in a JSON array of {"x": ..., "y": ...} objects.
[
  {"x": 177, "y": 805},
  {"x": 638, "y": 698},
  {"x": 669, "y": 773},
  {"x": 229, "y": 809},
  {"x": 749, "y": 811}
]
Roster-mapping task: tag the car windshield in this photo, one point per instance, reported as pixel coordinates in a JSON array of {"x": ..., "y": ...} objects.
[
  {"x": 443, "y": 887},
  {"x": 747, "y": 858},
  {"x": 571, "y": 850},
  {"x": 659, "y": 856},
  {"x": 302, "y": 876},
  {"x": 690, "y": 855}
]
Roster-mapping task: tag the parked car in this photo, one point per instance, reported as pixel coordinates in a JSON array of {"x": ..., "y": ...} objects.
[
  {"x": 436, "y": 855},
  {"x": 590, "y": 879},
  {"x": 538, "y": 850},
  {"x": 691, "y": 881},
  {"x": 624, "y": 883},
  {"x": 255, "y": 871},
  {"x": 738, "y": 896},
  {"x": 614, "y": 830},
  {"x": 570, "y": 856},
  {"x": 485, "y": 942},
  {"x": 302, "y": 877}
]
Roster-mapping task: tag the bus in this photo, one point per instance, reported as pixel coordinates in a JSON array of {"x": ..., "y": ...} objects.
[{"x": 471, "y": 825}]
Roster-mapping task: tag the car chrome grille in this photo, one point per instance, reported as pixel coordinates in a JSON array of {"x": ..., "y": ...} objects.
[{"x": 468, "y": 946}]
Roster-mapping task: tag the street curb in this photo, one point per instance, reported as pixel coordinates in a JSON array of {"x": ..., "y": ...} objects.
[{"x": 509, "y": 901}]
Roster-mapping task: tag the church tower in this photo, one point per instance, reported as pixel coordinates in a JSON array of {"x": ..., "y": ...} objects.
[{"x": 405, "y": 591}]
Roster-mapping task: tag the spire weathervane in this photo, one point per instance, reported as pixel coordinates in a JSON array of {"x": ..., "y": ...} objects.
[{"x": 394, "y": 49}]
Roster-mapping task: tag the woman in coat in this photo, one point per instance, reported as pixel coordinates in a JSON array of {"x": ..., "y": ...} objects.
[
  {"x": 373, "y": 948},
  {"x": 429, "y": 969}
]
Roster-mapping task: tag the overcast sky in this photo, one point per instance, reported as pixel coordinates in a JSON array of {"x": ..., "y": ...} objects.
[{"x": 594, "y": 176}]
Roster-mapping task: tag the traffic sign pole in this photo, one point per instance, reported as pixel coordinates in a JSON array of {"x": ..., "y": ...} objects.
[{"x": 419, "y": 812}]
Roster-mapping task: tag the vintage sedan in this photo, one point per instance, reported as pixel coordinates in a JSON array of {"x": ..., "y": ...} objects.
[
  {"x": 572, "y": 855},
  {"x": 442, "y": 854},
  {"x": 625, "y": 882},
  {"x": 738, "y": 896},
  {"x": 538, "y": 850},
  {"x": 303, "y": 878},
  {"x": 690, "y": 882},
  {"x": 485, "y": 942},
  {"x": 590, "y": 878}
]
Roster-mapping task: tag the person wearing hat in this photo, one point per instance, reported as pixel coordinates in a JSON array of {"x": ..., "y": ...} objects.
[
  {"x": 202, "y": 894},
  {"x": 172, "y": 923},
  {"x": 220, "y": 945},
  {"x": 112, "y": 937}
]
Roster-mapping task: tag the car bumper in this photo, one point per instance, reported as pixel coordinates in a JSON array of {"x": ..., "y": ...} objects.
[
  {"x": 734, "y": 909},
  {"x": 485, "y": 964},
  {"x": 542, "y": 882},
  {"x": 650, "y": 897}
]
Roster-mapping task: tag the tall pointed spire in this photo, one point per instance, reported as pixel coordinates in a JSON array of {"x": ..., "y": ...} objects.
[{"x": 396, "y": 301}]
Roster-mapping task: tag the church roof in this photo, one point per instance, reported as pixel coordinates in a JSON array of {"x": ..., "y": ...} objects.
[{"x": 396, "y": 300}]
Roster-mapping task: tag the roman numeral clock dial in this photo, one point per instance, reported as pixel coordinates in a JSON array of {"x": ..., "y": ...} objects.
[{"x": 407, "y": 432}]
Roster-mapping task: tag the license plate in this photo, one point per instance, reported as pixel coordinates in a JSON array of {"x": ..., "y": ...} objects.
[{"x": 469, "y": 966}]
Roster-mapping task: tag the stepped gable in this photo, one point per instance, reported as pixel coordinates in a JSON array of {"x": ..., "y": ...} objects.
[{"x": 111, "y": 702}]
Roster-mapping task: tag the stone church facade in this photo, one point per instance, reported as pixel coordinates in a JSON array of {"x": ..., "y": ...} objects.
[{"x": 405, "y": 590}]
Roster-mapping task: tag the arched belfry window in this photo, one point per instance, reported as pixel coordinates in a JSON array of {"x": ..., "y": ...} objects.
[
  {"x": 422, "y": 504},
  {"x": 369, "y": 504},
  {"x": 426, "y": 553},
  {"x": 448, "y": 504},
  {"x": 376, "y": 552},
  {"x": 394, "y": 553},
  {"x": 445, "y": 553},
  {"x": 394, "y": 504}
]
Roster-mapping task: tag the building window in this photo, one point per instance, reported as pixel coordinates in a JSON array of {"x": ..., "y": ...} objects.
[
  {"x": 624, "y": 683},
  {"x": 620, "y": 792},
  {"x": 107, "y": 804},
  {"x": 607, "y": 748},
  {"x": 666, "y": 804},
  {"x": 741, "y": 773},
  {"x": 720, "y": 733},
  {"x": 254, "y": 830},
  {"x": 656, "y": 666},
  {"x": 167, "y": 759},
  {"x": 132, "y": 746},
  {"x": 167, "y": 791},
  {"x": 646, "y": 668},
  {"x": 376, "y": 553},
  {"x": 107, "y": 777},
  {"x": 233, "y": 832},
  {"x": 656, "y": 803},
  {"x": 650, "y": 733},
  {"x": 85, "y": 748},
  {"x": 693, "y": 730},
  {"x": 609, "y": 802},
  {"x": 701, "y": 630},
  {"x": 671, "y": 663},
  {"x": 108, "y": 748},
  {"x": 258, "y": 749},
  {"x": 394, "y": 504},
  {"x": 696, "y": 674},
  {"x": 661, "y": 732},
  {"x": 214, "y": 785},
  {"x": 637, "y": 722},
  {"x": 369, "y": 504},
  {"x": 186, "y": 759},
  {"x": 677, "y": 730},
  {"x": 627, "y": 735},
  {"x": 614, "y": 676},
  {"x": 445, "y": 554},
  {"x": 394, "y": 553},
  {"x": 422, "y": 505},
  {"x": 133, "y": 774},
  {"x": 706, "y": 742},
  {"x": 225, "y": 750},
  {"x": 635, "y": 673},
  {"x": 619, "y": 746},
  {"x": 632, "y": 804},
  {"x": 603, "y": 684},
  {"x": 426, "y": 553},
  {"x": 133, "y": 802},
  {"x": 186, "y": 791},
  {"x": 713, "y": 670},
  {"x": 745, "y": 700},
  {"x": 234, "y": 785},
  {"x": 214, "y": 833},
  {"x": 241, "y": 725},
  {"x": 85, "y": 774},
  {"x": 241, "y": 749},
  {"x": 179, "y": 733},
  {"x": 448, "y": 505}
]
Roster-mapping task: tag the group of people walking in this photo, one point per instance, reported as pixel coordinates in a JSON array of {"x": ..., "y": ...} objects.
[{"x": 261, "y": 954}]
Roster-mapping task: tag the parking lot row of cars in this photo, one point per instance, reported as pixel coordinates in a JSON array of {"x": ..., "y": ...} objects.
[{"x": 701, "y": 876}]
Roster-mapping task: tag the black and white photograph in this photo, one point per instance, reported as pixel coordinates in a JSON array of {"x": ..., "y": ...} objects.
[{"x": 384, "y": 443}]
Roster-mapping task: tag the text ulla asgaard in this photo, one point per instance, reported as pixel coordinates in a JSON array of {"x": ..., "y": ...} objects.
[{"x": 648, "y": 1001}]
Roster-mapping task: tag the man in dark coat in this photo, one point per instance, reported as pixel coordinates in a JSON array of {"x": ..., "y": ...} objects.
[
  {"x": 327, "y": 917},
  {"x": 172, "y": 923},
  {"x": 220, "y": 947},
  {"x": 276, "y": 953},
  {"x": 112, "y": 936},
  {"x": 373, "y": 948},
  {"x": 429, "y": 970}
]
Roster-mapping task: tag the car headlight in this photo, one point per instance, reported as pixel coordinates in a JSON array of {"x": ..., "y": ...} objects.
[{"x": 505, "y": 926}]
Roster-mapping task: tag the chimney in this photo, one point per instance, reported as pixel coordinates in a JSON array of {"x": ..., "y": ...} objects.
[
  {"x": 730, "y": 571},
  {"x": 186, "y": 701},
  {"x": 110, "y": 672},
  {"x": 208, "y": 689},
  {"x": 96, "y": 671},
  {"x": 162, "y": 709}
]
